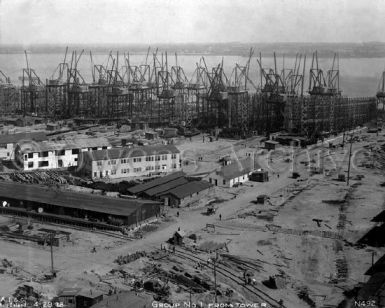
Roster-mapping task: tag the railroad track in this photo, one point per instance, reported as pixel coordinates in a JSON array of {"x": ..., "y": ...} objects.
[{"x": 261, "y": 295}]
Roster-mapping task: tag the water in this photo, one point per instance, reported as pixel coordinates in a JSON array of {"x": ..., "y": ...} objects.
[{"x": 358, "y": 76}]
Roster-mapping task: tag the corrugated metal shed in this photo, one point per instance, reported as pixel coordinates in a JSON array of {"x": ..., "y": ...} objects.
[
  {"x": 70, "y": 199},
  {"x": 159, "y": 181},
  {"x": 158, "y": 190},
  {"x": 188, "y": 189}
]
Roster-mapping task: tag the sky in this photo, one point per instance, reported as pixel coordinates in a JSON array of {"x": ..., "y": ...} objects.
[{"x": 190, "y": 21}]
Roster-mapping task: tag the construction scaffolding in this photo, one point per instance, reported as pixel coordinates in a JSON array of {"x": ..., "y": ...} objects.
[
  {"x": 9, "y": 96},
  {"x": 159, "y": 94}
]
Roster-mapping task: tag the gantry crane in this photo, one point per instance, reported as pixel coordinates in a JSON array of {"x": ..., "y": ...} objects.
[{"x": 32, "y": 91}]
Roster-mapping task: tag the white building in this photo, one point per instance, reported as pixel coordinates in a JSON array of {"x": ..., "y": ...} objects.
[
  {"x": 8, "y": 142},
  {"x": 235, "y": 172},
  {"x": 131, "y": 162},
  {"x": 60, "y": 154}
]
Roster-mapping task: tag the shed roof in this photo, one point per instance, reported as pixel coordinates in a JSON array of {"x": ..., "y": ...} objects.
[
  {"x": 126, "y": 152},
  {"x": 236, "y": 168},
  {"x": 156, "y": 182},
  {"x": 71, "y": 199},
  {"x": 15, "y": 138},
  {"x": 158, "y": 190},
  {"x": 188, "y": 189}
]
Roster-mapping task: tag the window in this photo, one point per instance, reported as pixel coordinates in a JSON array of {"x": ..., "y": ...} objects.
[
  {"x": 125, "y": 171},
  {"x": 25, "y": 157},
  {"x": 43, "y": 163},
  {"x": 43, "y": 154},
  {"x": 164, "y": 157},
  {"x": 30, "y": 164},
  {"x": 124, "y": 161},
  {"x": 148, "y": 168},
  {"x": 113, "y": 172},
  {"x": 75, "y": 151},
  {"x": 3, "y": 145},
  {"x": 157, "y": 157},
  {"x": 157, "y": 167},
  {"x": 113, "y": 162},
  {"x": 60, "y": 152},
  {"x": 137, "y": 169},
  {"x": 224, "y": 182},
  {"x": 99, "y": 163},
  {"x": 174, "y": 166},
  {"x": 164, "y": 167},
  {"x": 104, "y": 148},
  {"x": 95, "y": 174},
  {"x": 30, "y": 155},
  {"x": 76, "y": 159},
  {"x": 137, "y": 160},
  {"x": 173, "y": 156},
  {"x": 94, "y": 149}
]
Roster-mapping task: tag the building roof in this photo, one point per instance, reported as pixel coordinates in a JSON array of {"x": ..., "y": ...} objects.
[
  {"x": 90, "y": 293},
  {"x": 15, "y": 138},
  {"x": 71, "y": 199},
  {"x": 156, "y": 182},
  {"x": 380, "y": 217},
  {"x": 373, "y": 288},
  {"x": 126, "y": 299},
  {"x": 158, "y": 190},
  {"x": 69, "y": 292},
  {"x": 65, "y": 144},
  {"x": 236, "y": 168},
  {"x": 271, "y": 142},
  {"x": 188, "y": 189},
  {"x": 127, "y": 152},
  {"x": 377, "y": 267}
]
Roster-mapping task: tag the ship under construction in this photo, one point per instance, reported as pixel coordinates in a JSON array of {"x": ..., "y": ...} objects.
[{"x": 159, "y": 93}]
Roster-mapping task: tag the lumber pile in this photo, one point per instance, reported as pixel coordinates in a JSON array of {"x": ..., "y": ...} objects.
[{"x": 130, "y": 257}]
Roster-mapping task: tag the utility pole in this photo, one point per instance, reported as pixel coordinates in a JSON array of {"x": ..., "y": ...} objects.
[
  {"x": 51, "y": 235},
  {"x": 215, "y": 275},
  {"x": 190, "y": 297},
  {"x": 350, "y": 157}
]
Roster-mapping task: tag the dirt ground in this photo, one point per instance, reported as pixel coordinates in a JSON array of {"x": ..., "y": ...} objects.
[{"x": 281, "y": 237}]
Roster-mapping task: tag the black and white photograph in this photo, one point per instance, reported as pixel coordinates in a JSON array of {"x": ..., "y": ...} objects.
[{"x": 192, "y": 153}]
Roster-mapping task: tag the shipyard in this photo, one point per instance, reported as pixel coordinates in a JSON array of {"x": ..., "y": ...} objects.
[{"x": 180, "y": 174}]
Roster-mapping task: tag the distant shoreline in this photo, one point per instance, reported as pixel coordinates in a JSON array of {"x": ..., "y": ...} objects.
[{"x": 325, "y": 50}]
